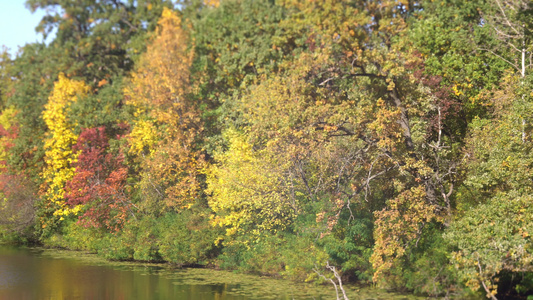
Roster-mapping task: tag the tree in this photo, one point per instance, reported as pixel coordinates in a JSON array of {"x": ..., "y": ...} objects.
[
  {"x": 6, "y": 64},
  {"x": 95, "y": 40},
  {"x": 96, "y": 35},
  {"x": 33, "y": 74},
  {"x": 8, "y": 133},
  {"x": 242, "y": 48},
  {"x": 159, "y": 92},
  {"x": 508, "y": 19},
  {"x": 234, "y": 43},
  {"x": 247, "y": 201},
  {"x": 398, "y": 121},
  {"x": 399, "y": 227},
  {"x": 97, "y": 188},
  {"x": 17, "y": 204},
  {"x": 59, "y": 156},
  {"x": 491, "y": 238}
]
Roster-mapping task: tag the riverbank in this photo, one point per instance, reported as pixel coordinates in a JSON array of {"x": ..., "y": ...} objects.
[{"x": 156, "y": 280}]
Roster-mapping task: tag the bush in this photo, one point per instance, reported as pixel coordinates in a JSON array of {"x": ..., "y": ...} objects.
[{"x": 187, "y": 238}]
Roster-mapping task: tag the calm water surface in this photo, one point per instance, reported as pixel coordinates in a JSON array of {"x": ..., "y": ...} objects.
[{"x": 50, "y": 274}]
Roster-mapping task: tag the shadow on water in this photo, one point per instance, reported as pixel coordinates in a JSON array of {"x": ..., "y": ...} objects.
[{"x": 33, "y": 273}]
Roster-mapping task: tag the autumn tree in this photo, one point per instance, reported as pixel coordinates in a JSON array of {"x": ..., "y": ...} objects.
[
  {"x": 98, "y": 183},
  {"x": 386, "y": 141},
  {"x": 397, "y": 121},
  {"x": 315, "y": 164},
  {"x": 97, "y": 40},
  {"x": 168, "y": 126},
  {"x": 247, "y": 201},
  {"x": 8, "y": 133},
  {"x": 17, "y": 191},
  {"x": 32, "y": 74},
  {"x": 60, "y": 157}
]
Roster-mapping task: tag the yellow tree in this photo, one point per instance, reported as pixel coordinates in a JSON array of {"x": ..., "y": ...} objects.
[
  {"x": 168, "y": 124},
  {"x": 298, "y": 147},
  {"x": 59, "y": 156},
  {"x": 397, "y": 227},
  {"x": 248, "y": 189}
]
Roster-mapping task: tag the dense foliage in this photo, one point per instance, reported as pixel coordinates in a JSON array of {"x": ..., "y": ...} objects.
[{"x": 385, "y": 142}]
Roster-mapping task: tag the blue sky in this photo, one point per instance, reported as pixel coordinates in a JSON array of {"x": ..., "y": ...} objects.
[{"x": 17, "y": 24}]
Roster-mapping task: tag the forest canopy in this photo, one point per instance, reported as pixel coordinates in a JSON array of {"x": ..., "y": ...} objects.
[{"x": 388, "y": 140}]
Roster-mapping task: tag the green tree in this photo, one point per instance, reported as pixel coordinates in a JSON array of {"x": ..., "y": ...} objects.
[
  {"x": 6, "y": 64},
  {"x": 96, "y": 35},
  {"x": 492, "y": 238}
]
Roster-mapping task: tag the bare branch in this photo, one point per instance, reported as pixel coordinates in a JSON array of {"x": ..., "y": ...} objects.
[
  {"x": 489, "y": 293},
  {"x": 337, "y": 276}
]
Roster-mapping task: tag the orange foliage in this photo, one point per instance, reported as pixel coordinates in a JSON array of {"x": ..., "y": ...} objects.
[
  {"x": 213, "y": 3},
  {"x": 397, "y": 227},
  {"x": 158, "y": 90}
]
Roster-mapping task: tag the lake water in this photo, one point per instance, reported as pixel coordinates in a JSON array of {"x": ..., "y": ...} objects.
[{"x": 33, "y": 273}]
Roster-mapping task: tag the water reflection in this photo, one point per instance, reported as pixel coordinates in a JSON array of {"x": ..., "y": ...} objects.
[
  {"x": 51, "y": 274},
  {"x": 27, "y": 274}
]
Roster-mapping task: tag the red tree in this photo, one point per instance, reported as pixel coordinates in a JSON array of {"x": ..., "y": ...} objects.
[{"x": 99, "y": 182}]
